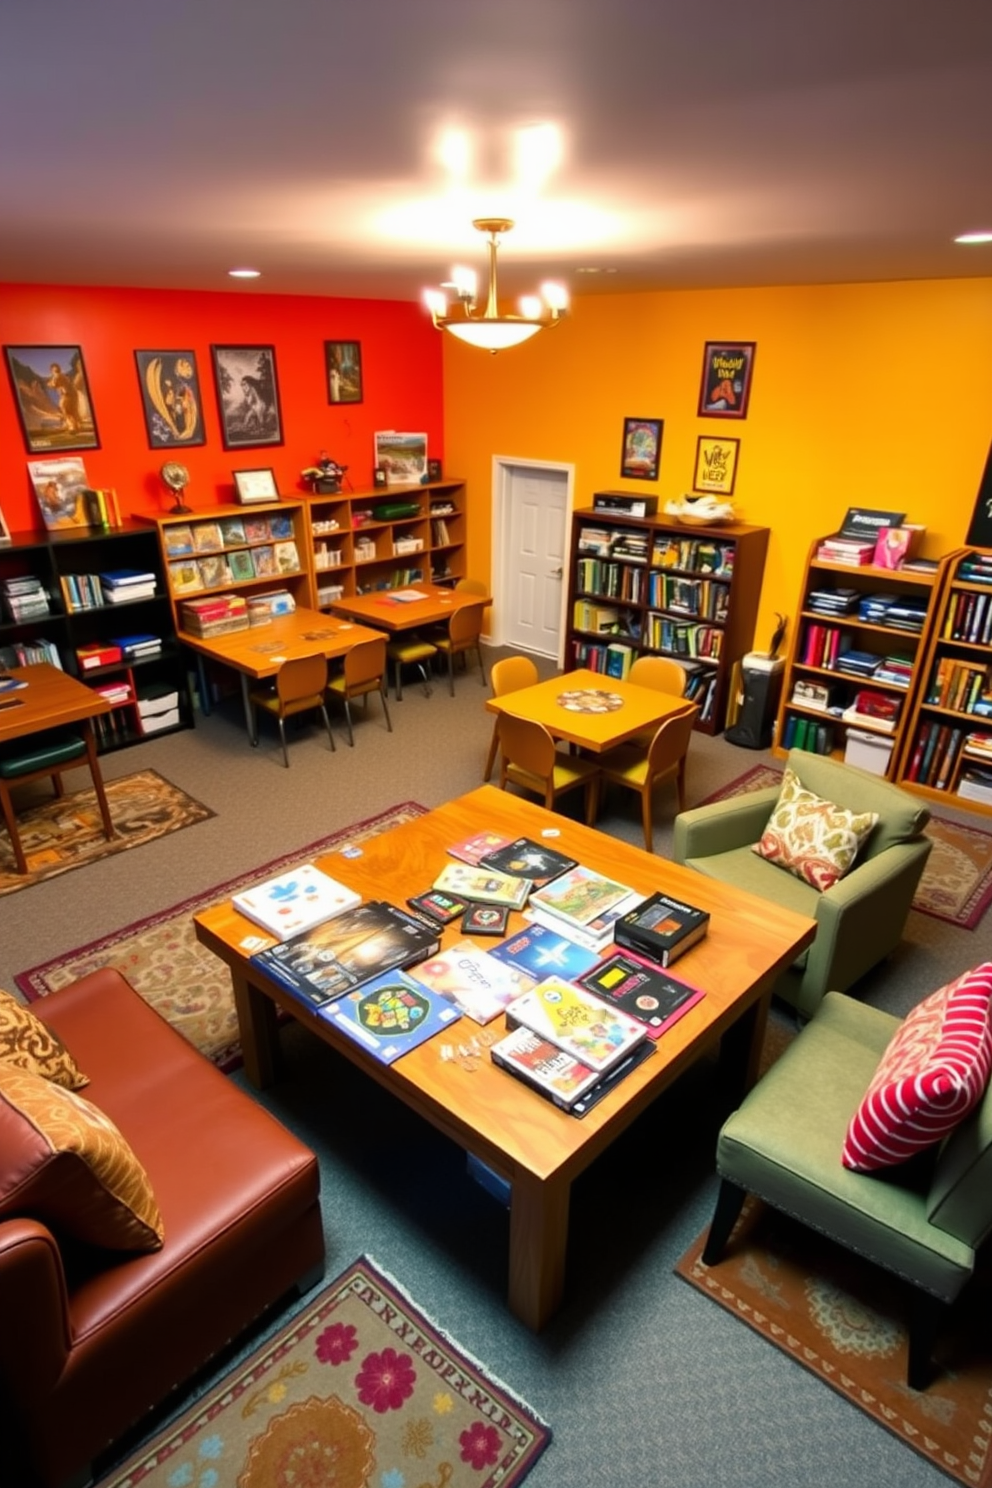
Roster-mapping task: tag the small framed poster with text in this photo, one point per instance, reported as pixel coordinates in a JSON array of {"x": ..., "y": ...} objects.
[{"x": 726, "y": 386}]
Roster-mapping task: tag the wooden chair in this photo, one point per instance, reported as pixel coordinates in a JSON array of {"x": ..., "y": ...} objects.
[
  {"x": 531, "y": 760},
  {"x": 659, "y": 672},
  {"x": 298, "y": 688},
  {"x": 472, "y": 586},
  {"x": 462, "y": 634},
  {"x": 410, "y": 649},
  {"x": 641, "y": 769},
  {"x": 48, "y": 756},
  {"x": 507, "y": 675},
  {"x": 364, "y": 672}
]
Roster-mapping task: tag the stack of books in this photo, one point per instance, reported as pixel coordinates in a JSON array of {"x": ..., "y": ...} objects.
[
  {"x": 582, "y": 905},
  {"x": 122, "y": 584},
  {"x": 976, "y": 568},
  {"x": 832, "y": 601},
  {"x": 138, "y": 647},
  {"x": 24, "y": 598},
  {"x": 976, "y": 785},
  {"x": 851, "y": 551},
  {"x": 214, "y": 616},
  {"x": 263, "y": 607},
  {"x": 858, "y": 663},
  {"x": 91, "y": 657}
]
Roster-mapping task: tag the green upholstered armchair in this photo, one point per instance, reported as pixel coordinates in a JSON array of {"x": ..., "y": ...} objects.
[
  {"x": 922, "y": 1220},
  {"x": 861, "y": 919}
]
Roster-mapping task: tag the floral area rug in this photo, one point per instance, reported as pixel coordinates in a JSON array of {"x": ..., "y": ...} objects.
[
  {"x": 957, "y": 881},
  {"x": 164, "y": 962},
  {"x": 845, "y": 1320},
  {"x": 64, "y": 832},
  {"x": 359, "y": 1389}
]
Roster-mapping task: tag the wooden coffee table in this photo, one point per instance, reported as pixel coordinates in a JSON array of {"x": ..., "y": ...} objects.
[{"x": 537, "y": 1148}]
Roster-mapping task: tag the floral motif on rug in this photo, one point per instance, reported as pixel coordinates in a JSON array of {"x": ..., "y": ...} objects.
[{"x": 360, "y": 1388}]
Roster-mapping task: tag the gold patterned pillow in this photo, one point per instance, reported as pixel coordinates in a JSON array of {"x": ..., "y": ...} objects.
[
  {"x": 25, "y": 1041},
  {"x": 66, "y": 1164},
  {"x": 811, "y": 837}
]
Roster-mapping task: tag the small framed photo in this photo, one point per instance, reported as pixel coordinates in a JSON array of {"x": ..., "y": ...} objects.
[
  {"x": 255, "y": 485},
  {"x": 641, "y": 453},
  {"x": 434, "y": 470},
  {"x": 343, "y": 363},
  {"x": 726, "y": 386},
  {"x": 379, "y": 476},
  {"x": 53, "y": 398},
  {"x": 248, "y": 395},
  {"x": 170, "y": 398},
  {"x": 716, "y": 465}
]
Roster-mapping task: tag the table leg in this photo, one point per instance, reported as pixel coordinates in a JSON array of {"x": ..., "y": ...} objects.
[
  {"x": 538, "y": 1245},
  {"x": 740, "y": 1052},
  {"x": 101, "y": 794},
  {"x": 249, "y": 721},
  {"x": 259, "y": 1032},
  {"x": 201, "y": 668}
]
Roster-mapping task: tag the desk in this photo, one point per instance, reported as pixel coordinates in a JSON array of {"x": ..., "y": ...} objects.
[
  {"x": 51, "y": 700},
  {"x": 640, "y": 709},
  {"x": 536, "y": 1147},
  {"x": 260, "y": 650},
  {"x": 387, "y": 613}
]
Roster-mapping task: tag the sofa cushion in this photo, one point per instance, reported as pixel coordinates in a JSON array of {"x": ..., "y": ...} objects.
[
  {"x": 66, "y": 1164},
  {"x": 902, "y": 817},
  {"x": 27, "y": 1043},
  {"x": 811, "y": 837},
  {"x": 931, "y": 1075}
]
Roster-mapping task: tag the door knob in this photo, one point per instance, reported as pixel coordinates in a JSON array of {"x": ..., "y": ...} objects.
[{"x": 556, "y": 573}]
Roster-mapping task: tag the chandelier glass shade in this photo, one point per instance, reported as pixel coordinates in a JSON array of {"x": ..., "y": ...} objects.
[{"x": 489, "y": 329}]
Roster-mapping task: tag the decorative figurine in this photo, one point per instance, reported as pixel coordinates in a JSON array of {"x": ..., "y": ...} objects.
[
  {"x": 176, "y": 477},
  {"x": 324, "y": 478}
]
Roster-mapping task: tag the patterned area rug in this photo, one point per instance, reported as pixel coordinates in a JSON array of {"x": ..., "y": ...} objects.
[
  {"x": 359, "y": 1389},
  {"x": 957, "y": 881},
  {"x": 64, "y": 832},
  {"x": 844, "y": 1320},
  {"x": 163, "y": 960}
]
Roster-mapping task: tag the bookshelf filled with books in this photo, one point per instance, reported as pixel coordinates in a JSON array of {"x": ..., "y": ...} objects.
[
  {"x": 947, "y": 750},
  {"x": 853, "y": 664},
  {"x": 655, "y": 586},
  {"x": 94, "y": 603}
]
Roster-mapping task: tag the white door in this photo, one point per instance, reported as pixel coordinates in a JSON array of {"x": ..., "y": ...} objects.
[{"x": 535, "y": 508}]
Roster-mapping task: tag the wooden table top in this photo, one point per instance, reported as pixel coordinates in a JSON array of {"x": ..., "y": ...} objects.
[
  {"x": 261, "y": 650},
  {"x": 386, "y": 612},
  {"x": 619, "y": 710},
  {"x": 50, "y": 699},
  {"x": 750, "y": 941}
]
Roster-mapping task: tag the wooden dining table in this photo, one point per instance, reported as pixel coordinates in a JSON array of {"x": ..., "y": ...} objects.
[{"x": 588, "y": 709}]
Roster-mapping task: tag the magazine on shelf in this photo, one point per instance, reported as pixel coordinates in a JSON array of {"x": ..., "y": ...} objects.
[
  {"x": 641, "y": 989},
  {"x": 526, "y": 858},
  {"x": 583, "y": 1025},
  {"x": 472, "y": 978},
  {"x": 390, "y": 1015},
  {"x": 295, "y": 901},
  {"x": 482, "y": 885}
]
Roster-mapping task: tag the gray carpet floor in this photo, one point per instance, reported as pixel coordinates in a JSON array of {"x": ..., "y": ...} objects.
[{"x": 643, "y": 1381}]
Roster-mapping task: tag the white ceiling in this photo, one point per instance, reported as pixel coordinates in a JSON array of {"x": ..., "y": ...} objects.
[{"x": 703, "y": 142}]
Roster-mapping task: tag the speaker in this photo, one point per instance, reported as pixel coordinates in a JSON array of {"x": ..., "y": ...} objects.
[{"x": 761, "y": 688}]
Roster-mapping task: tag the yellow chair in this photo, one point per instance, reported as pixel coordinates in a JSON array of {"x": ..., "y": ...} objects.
[
  {"x": 507, "y": 675},
  {"x": 298, "y": 688},
  {"x": 531, "y": 761},
  {"x": 461, "y": 635},
  {"x": 659, "y": 672},
  {"x": 640, "y": 769},
  {"x": 472, "y": 586},
  {"x": 410, "y": 650},
  {"x": 364, "y": 672}
]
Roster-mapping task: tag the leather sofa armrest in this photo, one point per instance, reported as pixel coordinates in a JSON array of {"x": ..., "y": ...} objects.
[
  {"x": 704, "y": 831},
  {"x": 34, "y": 1337}
]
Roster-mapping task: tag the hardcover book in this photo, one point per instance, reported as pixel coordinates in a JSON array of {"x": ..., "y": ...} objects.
[
  {"x": 581, "y": 1024},
  {"x": 526, "y": 858},
  {"x": 538, "y": 952},
  {"x": 661, "y": 928},
  {"x": 343, "y": 953},
  {"x": 471, "y": 978},
  {"x": 482, "y": 885},
  {"x": 295, "y": 901},
  {"x": 584, "y": 898},
  {"x": 206, "y": 537},
  {"x": 177, "y": 541},
  {"x": 232, "y": 530},
  {"x": 390, "y": 1015},
  {"x": 642, "y": 990},
  {"x": 476, "y": 847}
]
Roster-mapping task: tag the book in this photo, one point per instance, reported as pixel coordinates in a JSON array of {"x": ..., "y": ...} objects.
[
  {"x": 526, "y": 858},
  {"x": 554, "y": 1074},
  {"x": 585, "y": 899},
  {"x": 295, "y": 901},
  {"x": 116, "y": 578},
  {"x": 485, "y": 919},
  {"x": 537, "y": 952},
  {"x": 442, "y": 908},
  {"x": 232, "y": 531},
  {"x": 472, "y": 978},
  {"x": 287, "y": 559},
  {"x": 97, "y": 656},
  {"x": 584, "y": 1026},
  {"x": 185, "y": 576},
  {"x": 640, "y": 989},
  {"x": 482, "y": 885},
  {"x": 177, "y": 541},
  {"x": 662, "y": 928},
  {"x": 343, "y": 953},
  {"x": 390, "y": 1015},
  {"x": 214, "y": 571},
  {"x": 264, "y": 560},
  {"x": 206, "y": 537},
  {"x": 240, "y": 564},
  {"x": 473, "y": 849},
  {"x": 257, "y": 529}
]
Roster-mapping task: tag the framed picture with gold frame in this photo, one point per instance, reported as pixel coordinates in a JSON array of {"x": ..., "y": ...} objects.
[{"x": 716, "y": 465}]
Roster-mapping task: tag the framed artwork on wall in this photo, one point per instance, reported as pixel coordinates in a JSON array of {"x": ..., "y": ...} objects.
[
  {"x": 247, "y": 395},
  {"x": 641, "y": 454},
  {"x": 343, "y": 364},
  {"x": 170, "y": 398},
  {"x": 255, "y": 485},
  {"x": 53, "y": 398},
  {"x": 726, "y": 386},
  {"x": 716, "y": 465}
]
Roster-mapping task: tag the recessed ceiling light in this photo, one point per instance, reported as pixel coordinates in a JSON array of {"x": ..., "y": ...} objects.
[
  {"x": 974, "y": 237},
  {"x": 244, "y": 273}
]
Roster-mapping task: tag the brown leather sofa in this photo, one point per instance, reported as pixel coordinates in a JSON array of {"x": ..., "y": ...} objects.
[{"x": 92, "y": 1340}]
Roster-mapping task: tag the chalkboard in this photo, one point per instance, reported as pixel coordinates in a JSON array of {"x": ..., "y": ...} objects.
[{"x": 980, "y": 531}]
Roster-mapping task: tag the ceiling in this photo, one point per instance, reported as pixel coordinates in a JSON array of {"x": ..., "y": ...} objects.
[{"x": 342, "y": 147}]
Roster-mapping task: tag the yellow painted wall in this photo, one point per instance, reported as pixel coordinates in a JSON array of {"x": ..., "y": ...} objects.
[{"x": 876, "y": 395}]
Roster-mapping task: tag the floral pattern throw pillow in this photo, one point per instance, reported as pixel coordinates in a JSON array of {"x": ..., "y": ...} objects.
[{"x": 811, "y": 837}]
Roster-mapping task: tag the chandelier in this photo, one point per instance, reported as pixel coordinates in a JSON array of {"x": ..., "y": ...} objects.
[{"x": 489, "y": 329}]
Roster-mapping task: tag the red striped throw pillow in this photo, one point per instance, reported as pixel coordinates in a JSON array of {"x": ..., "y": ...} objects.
[{"x": 932, "y": 1074}]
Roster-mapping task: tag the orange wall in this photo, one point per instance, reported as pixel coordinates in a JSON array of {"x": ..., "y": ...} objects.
[
  {"x": 876, "y": 395},
  {"x": 401, "y": 364}
]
